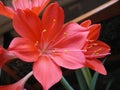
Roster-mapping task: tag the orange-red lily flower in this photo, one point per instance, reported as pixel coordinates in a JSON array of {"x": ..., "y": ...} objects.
[
  {"x": 95, "y": 48},
  {"x": 5, "y": 56},
  {"x": 19, "y": 85},
  {"x": 35, "y": 6},
  {"x": 48, "y": 43}
]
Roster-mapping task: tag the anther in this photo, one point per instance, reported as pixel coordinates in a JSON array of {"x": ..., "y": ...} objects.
[
  {"x": 15, "y": 0},
  {"x": 36, "y": 43},
  {"x": 54, "y": 20},
  {"x": 65, "y": 50},
  {"x": 65, "y": 33},
  {"x": 91, "y": 40},
  {"x": 44, "y": 30}
]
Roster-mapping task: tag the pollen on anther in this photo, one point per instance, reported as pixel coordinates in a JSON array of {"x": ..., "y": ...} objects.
[
  {"x": 54, "y": 20},
  {"x": 36, "y": 43},
  {"x": 65, "y": 50},
  {"x": 91, "y": 40},
  {"x": 90, "y": 46},
  {"x": 44, "y": 30},
  {"x": 95, "y": 44},
  {"x": 65, "y": 33},
  {"x": 15, "y": 0}
]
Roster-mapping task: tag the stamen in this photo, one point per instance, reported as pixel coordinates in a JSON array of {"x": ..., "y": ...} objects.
[
  {"x": 36, "y": 43},
  {"x": 42, "y": 38},
  {"x": 44, "y": 30},
  {"x": 90, "y": 40},
  {"x": 97, "y": 51},
  {"x": 95, "y": 44},
  {"x": 54, "y": 20},
  {"x": 65, "y": 33},
  {"x": 65, "y": 50},
  {"x": 15, "y": 0},
  {"x": 90, "y": 46}
]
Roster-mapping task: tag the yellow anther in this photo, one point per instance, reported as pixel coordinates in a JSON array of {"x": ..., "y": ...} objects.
[
  {"x": 15, "y": 0},
  {"x": 44, "y": 30},
  {"x": 65, "y": 33},
  {"x": 91, "y": 40},
  {"x": 36, "y": 43},
  {"x": 65, "y": 50},
  {"x": 95, "y": 44},
  {"x": 54, "y": 20},
  {"x": 97, "y": 51},
  {"x": 90, "y": 46}
]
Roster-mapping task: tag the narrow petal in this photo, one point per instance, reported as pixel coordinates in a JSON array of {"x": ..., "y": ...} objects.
[
  {"x": 21, "y": 4},
  {"x": 39, "y": 5},
  {"x": 5, "y": 56},
  {"x": 52, "y": 20},
  {"x": 86, "y": 23},
  {"x": 19, "y": 85},
  {"x": 43, "y": 71},
  {"x": 94, "y": 32},
  {"x": 72, "y": 35},
  {"x": 27, "y": 24},
  {"x": 24, "y": 49},
  {"x": 97, "y": 49},
  {"x": 71, "y": 59},
  {"x": 6, "y": 11},
  {"x": 96, "y": 65}
]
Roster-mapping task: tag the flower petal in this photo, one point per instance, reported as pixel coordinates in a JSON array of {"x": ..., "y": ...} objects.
[
  {"x": 6, "y": 11},
  {"x": 19, "y": 85},
  {"x": 71, "y": 59},
  {"x": 5, "y": 56},
  {"x": 43, "y": 71},
  {"x": 96, "y": 65},
  {"x": 21, "y": 4},
  {"x": 94, "y": 32},
  {"x": 27, "y": 24},
  {"x": 24, "y": 49},
  {"x": 86, "y": 23},
  {"x": 39, "y": 5},
  {"x": 97, "y": 49},
  {"x": 52, "y": 20},
  {"x": 72, "y": 36}
]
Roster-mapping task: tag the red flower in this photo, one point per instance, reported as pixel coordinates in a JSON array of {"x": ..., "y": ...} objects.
[
  {"x": 35, "y": 6},
  {"x": 48, "y": 44},
  {"x": 5, "y": 56},
  {"x": 95, "y": 48},
  {"x": 19, "y": 85}
]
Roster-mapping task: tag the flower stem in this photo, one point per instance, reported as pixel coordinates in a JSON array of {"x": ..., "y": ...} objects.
[
  {"x": 87, "y": 76},
  {"x": 81, "y": 80},
  {"x": 66, "y": 84}
]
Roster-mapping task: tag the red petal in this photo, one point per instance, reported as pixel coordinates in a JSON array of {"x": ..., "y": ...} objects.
[
  {"x": 53, "y": 19},
  {"x": 98, "y": 50},
  {"x": 24, "y": 49},
  {"x": 27, "y": 25},
  {"x": 96, "y": 65},
  {"x": 5, "y": 56},
  {"x": 39, "y": 5},
  {"x": 72, "y": 36},
  {"x": 86, "y": 23},
  {"x": 21, "y": 4},
  {"x": 6, "y": 11},
  {"x": 19, "y": 85},
  {"x": 94, "y": 32},
  {"x": 71, "y": 59},
  {"x": 43, "y": 71}
]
